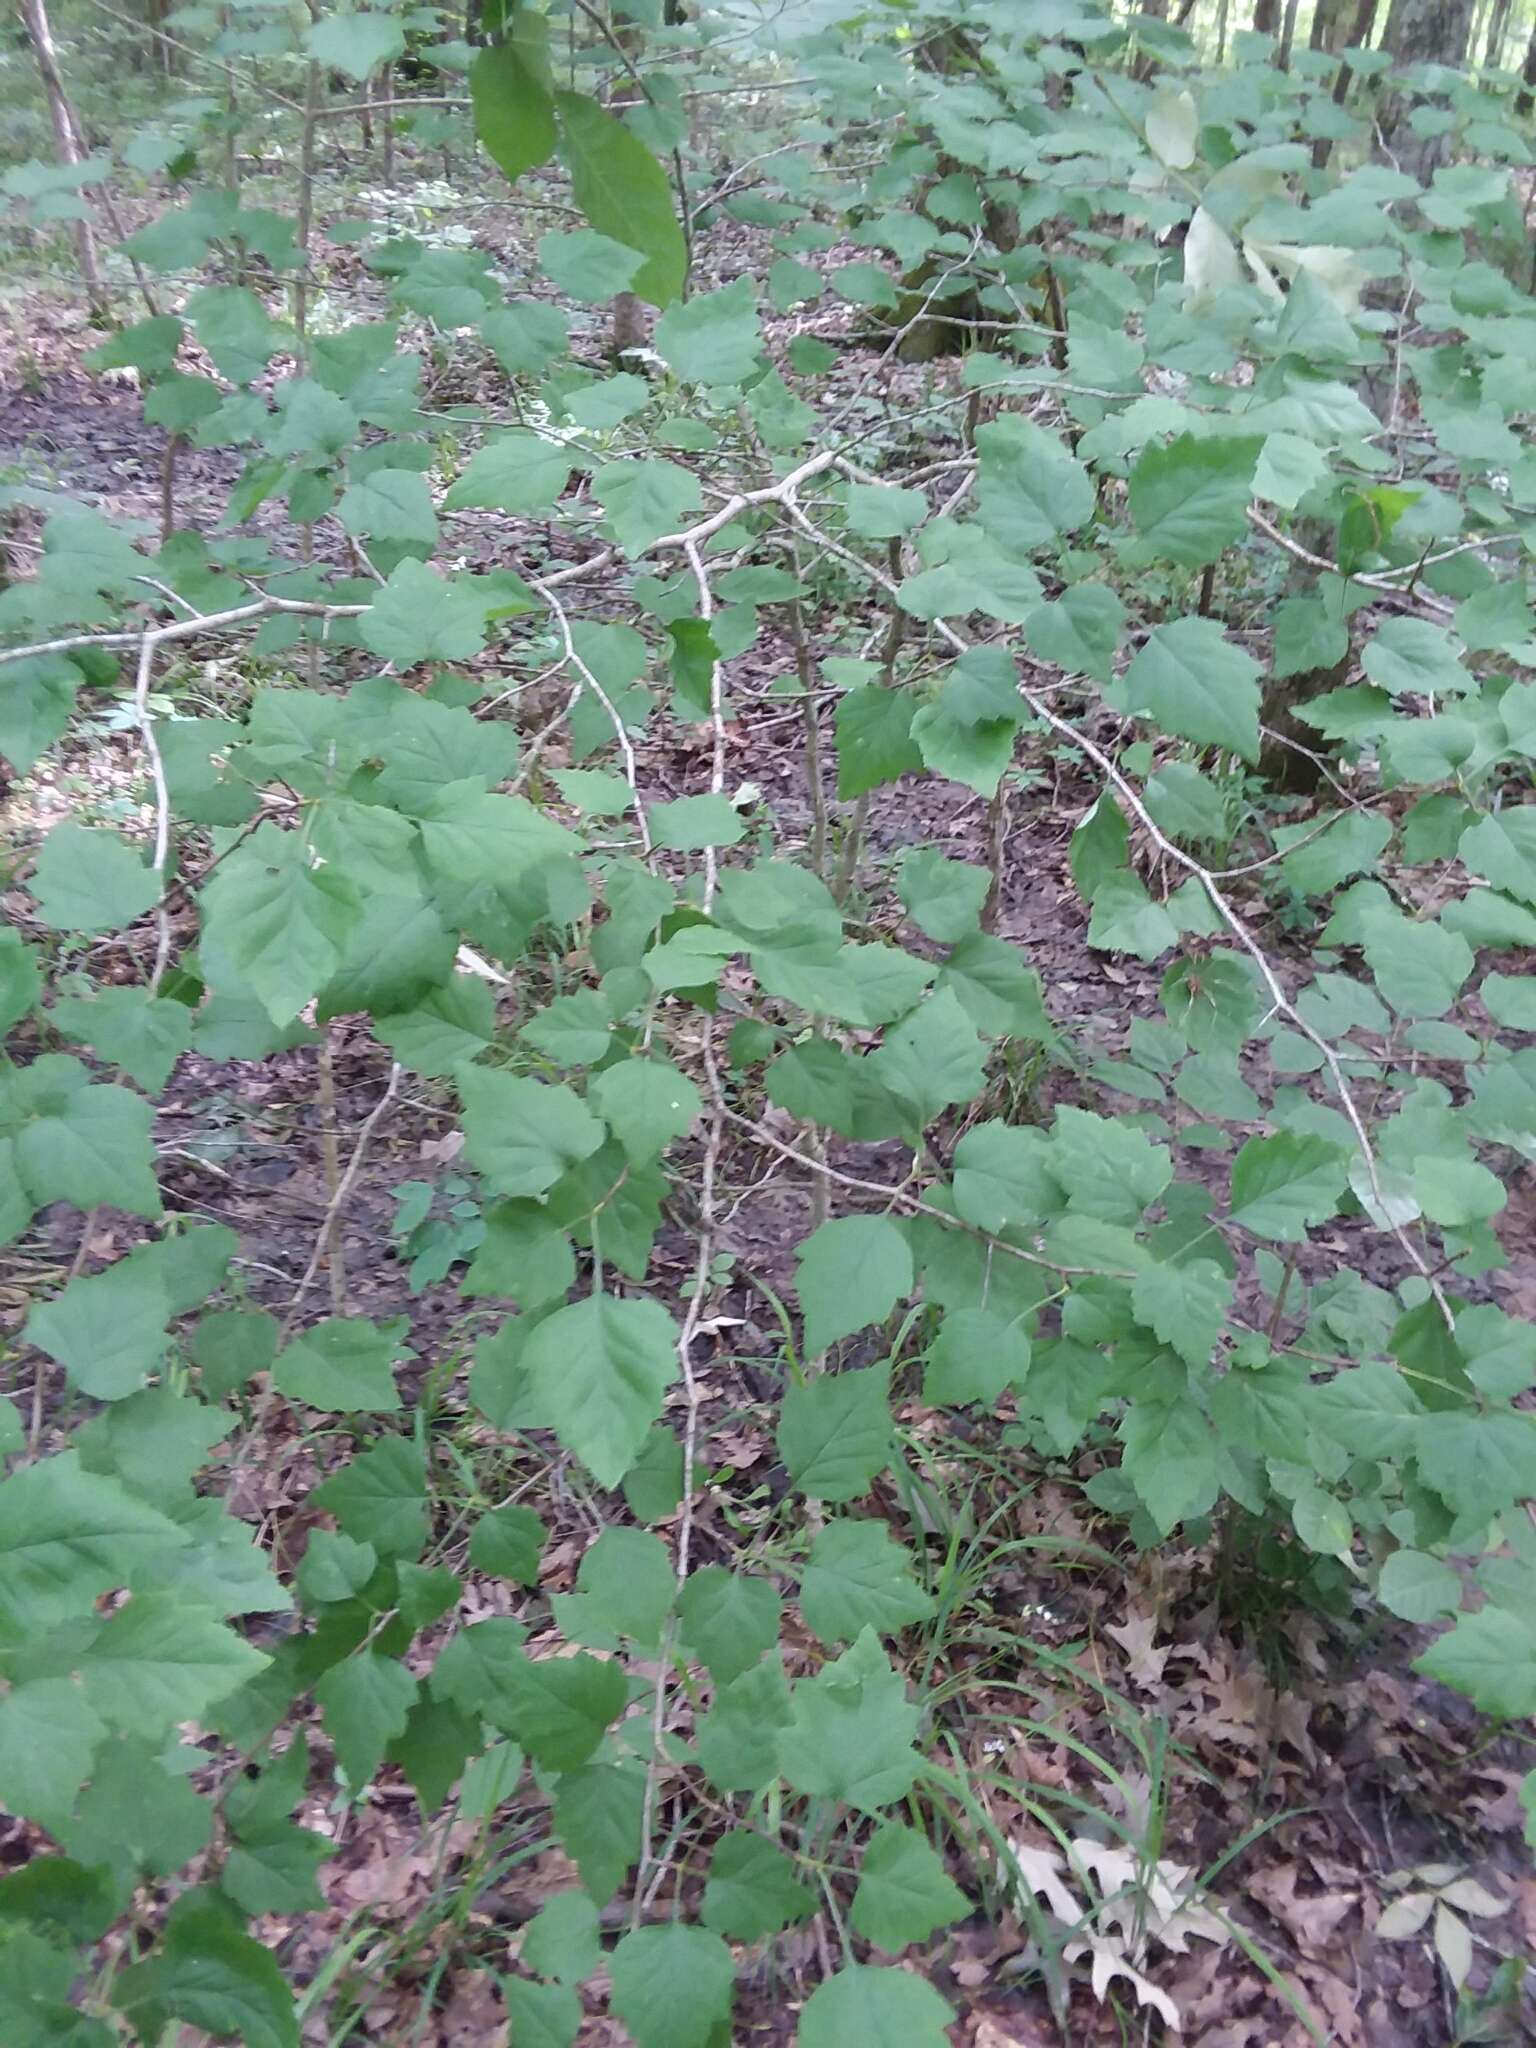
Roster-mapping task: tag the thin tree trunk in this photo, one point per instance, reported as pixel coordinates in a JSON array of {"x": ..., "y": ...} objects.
[
  {"x": 1498, "y": 27},
  {"x": 1266, "y": 17},
  {"x": 66, "y": 137},
  {"x": 1287, "y": 36},
  {"x": 1421, "y": 32},
  {"x": 1527, "y": 93}
]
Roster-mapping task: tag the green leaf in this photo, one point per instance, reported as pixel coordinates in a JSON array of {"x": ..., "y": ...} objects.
[
  {"x": 20, "y": 982},
  {"x": 1108, "y": 1169},
  {"x": 334, "y": 1567},
  {"x": 87, "y": 880},
  {"x": 672, "y": 1985},
  {"x": 559, "y": 1708},
  {"x": 541, "y": 2015},
  {"x": 588, "y": 267},
  {"x": 1190, "y": 499},
  {"x": 1411, "y": 655},
  {"x": 161, "y": 1659},
  {"x": 850, "y": 1731},
  {"x": 108, "y": 1330},
  {"x": 1004, "y": 1177},
  {"x": 391, "y": 505},
  {"x": 849, "y": 1273},
  {"x": 86, "y": 1144},
  {"x": 67, "y": 1536},
  {"x": 646, "y": 1104},
  {"x": 561, "y": 1941},
  {"x": 365, "y": 1701},
  {"x": 943, "y": 897},
  {"x": 274, "y": 922},
  {"x": 521, "y": 1134},
  {"x": 599, "y": 1811},
  {"x": 974, "y": 1357},
  {"x": 49, "y": 1733},
  {"x": 857, "y": 1577},
  {"x": 874, "y": 739},
  {"x": 381, "y": 1497},
  {"x": 1322, "y": 1523},
  {"x": 357, "y": 43},
  {"x": 626, "y": 1583},
  {"x": 344, "y": 1364},
  {"x": 421, "y": 616},
  {"x": 1502, "y": 848},
  {"x": 933, "y": 1058},
  {"x": 1029, "y": 490},
  {"x": 1479, "y": 1464},
  {"x": 1419, "y": 967},
  {"x": 599, "y": 1372},
  {"x": 1491, "y": 1657},
  {"x": 514, "y": 107},
  {"x": 752, "y": 1890},
  {"x": 834, "y": 1432},
  {"x": 517, "y": 472},
  {"x": 1078, "y": 631},
  {"x": 1170, "y": 1459},
  {"x": 883, "y": 2008},
  {"x": 144, "y": 1035},
  {"x": 1193, "y": 681},
  {"x": 690, "y": 823},
  {"x": 1281, "y": 1185},
  {"x": 36, "y": 698},
  {"x": 729, "y": 1619},
  {"x": 904, "y": 1891},
  {"x": 738, "y": 1737},
  {"x": 449, "y": 1027},
  {"x": 508, "y": 1542},
  {"x": 644, "y": 500},
  {"x": 713, "y": 338},
  {"x": 211, "y": 1976},
  {"x": 883, "y": 511},
  {"x": 1185, "y": 1306},
  {"x": 1417, "y": 1587},
  {"x": 624, "y": 193}
]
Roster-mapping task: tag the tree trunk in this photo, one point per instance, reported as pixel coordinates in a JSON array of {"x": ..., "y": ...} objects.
[
  {"x": 1287, "y": 36},
  {"x": 1498, "y": 26},
  {"x": 66, "y": 137},
  {"x": 631, "y": 329},
  {"x": 1266, "y": 17},
  {"x": 1421, "y": 32},
  {"x": 1527, "y": 91},
  {"x": 1429, "y": 31}
]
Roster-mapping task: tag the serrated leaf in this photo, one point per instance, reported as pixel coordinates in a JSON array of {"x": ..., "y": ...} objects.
[
  {"x": 885, "y": 2008},
  {"x": 834, "y": 1432},
  {"x": 599, "y": 1372},
  {"x": 850, "y": 1731},
  {"x": 714, "y": 337},
  {"x": 1191, "y": 680},
  {"x": 357, "y": 43},
  {"x": 857, "y": 1577},
  {"x": 1281, "y": 1185},
  {"x": 161, "y": 1659},
  {"x": 849, "y": 1273},
  {"x": 344, "y": 1365},
  {"x": 672, "y": 1985},
  {"x": 623, "y": 192},
  {"x": 1190, "y": 499},
  {"x": 904, "y": 1891},
  {"x": 522, "y": 1134},
  {"x": 89, "y": 880},
  {"x": 729, "y": 1619},
  {"x": 1184, "y": 1305},
  {"x": 752, "y": 1890}
]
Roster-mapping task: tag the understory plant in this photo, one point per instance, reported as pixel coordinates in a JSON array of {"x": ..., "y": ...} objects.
[{"x": 1221, "y": 441}]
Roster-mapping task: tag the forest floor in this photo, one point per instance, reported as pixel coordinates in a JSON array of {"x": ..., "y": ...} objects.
[{"x": 1296, "y": 1760}]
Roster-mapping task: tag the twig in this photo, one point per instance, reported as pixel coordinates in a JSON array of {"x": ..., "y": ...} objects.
[
  {"x": 338, "y": 1200},
  {"x": 162, "y": 844}
]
